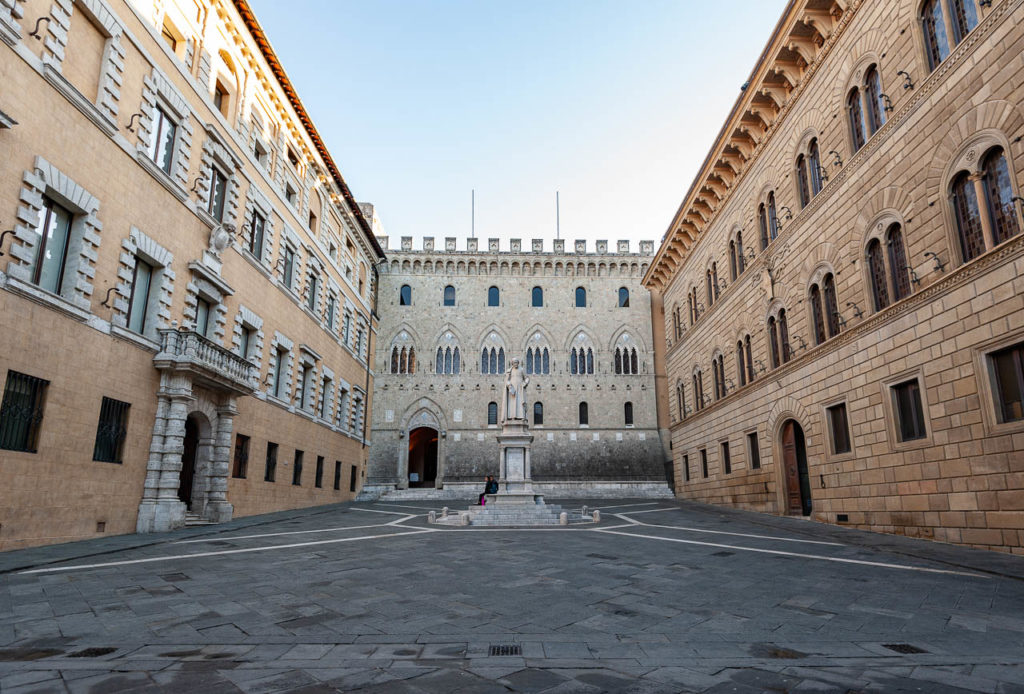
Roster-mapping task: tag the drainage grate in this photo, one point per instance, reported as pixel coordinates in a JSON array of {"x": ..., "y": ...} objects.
[
  {"x": 904, "y": 648},
  {"x": 514, "y": 649}
]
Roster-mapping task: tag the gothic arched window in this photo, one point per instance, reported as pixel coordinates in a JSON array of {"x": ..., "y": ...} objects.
[
  {"x": 876, "y": 268},
  {"x": 968, "y": 216},
  {"x": 623, "y": 297},
  {"x": 898, "y": 262},
  {"x": 405, "y": 295},
  {"x": 999, "y": 194}
]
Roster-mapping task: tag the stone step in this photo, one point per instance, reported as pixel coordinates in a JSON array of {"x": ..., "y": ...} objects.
[{"x": 194, "y": 519}]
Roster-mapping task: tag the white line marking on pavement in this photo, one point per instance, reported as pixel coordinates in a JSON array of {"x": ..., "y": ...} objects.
[
  {"x": 623, "y": 516},
  {"x": 902, "y": 567},
  {"x": 723, "y": 532},
  {"x": 219, "y": 538},
  {"x": 418, "y": 508},
  {"x": 602, "y": 508},
  {"x": 219, "y": 552},
  {"x": 390, "y": 513},
  {"x": 653, "y": 510}
]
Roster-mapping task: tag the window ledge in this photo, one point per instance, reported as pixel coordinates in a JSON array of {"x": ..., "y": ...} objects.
[
  {"x": 44, "y": 297},
  {"x": 136, "y": 339},
  {"x": 280, "y": 403},
  {"x": 161, "y": 176},
  {"x": 254, "y": 261}
]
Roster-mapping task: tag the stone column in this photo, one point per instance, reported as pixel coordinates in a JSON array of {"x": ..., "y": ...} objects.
[
  {"x": 160, "y": 509},
  {"x": 217, "y": 507}
]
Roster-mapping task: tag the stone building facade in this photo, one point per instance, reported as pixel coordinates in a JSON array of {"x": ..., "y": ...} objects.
[
  {"x": 452, "y": 321},
  {"x": 187, "y": 284},
  {"x": 842, "y": 288}
]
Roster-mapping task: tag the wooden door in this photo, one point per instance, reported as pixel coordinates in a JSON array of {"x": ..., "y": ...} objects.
[
  {"x": 188, "y": 462},
  {"x": 794, "y": 500}
]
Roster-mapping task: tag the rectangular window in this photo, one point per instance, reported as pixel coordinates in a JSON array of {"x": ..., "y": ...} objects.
[
  {"x": 21, "y": 412},
  {"x": 755, "y": 451},
  {"x": 337, "y": 475},
  {"x": 318, "y": 481},
  {"x": 202, "y": 316},
  {"x": 218, "y": 193},
  {"x": 51, "y": 250},
  {"x": 1007, "y": 367},
  {"x": 297, "y": 468},
  {"x": 306, "y": 388},
  {"x": 352, "y": 479},
  {"x": 291, "y": 195},
  {"x": 161, "y": 147},
  {"x": 271, "y": 470},
  {"x": 240, "y": 465},
  {"x": 325, "y": 389},
  {"x": 686, "y": 468},
  {"x": 726, "y": 460},
  {"x": 138, "y": 305},
  {"x": 312, "y": 222},
  {"x": 332, "y": 309},
  {"x": 909, "y": 413},
  {"x": 704, "y": 462},
  {"x": 840, "y": 428},
  {"x": 312, "y": 291},
  {"x": 280, "y": 364},
  {"x": 111, "y": 431},
  {"x": 289, "y": 267},
  {"x": 246, "y": 341},
  {"x": 256, "y": 231}
]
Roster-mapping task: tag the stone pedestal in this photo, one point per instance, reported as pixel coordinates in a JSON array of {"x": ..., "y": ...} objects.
[{"x": 515, "y": 487}]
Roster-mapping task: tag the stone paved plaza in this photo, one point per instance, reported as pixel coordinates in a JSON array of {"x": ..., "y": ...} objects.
[{"x": 658, "y": 597}]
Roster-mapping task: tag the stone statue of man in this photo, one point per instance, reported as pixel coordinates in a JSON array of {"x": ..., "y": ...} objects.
[{"x": 513, "y": 404}]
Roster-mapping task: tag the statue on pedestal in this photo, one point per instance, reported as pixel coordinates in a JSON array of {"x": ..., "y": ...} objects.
[{"x": 513, "y": 402}]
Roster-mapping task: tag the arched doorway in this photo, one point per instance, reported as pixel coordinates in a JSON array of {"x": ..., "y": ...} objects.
[
  {"x": 423, "y": 457},
  {"x": 187, "y": 476},
  {"x": 794, "y": 462}
]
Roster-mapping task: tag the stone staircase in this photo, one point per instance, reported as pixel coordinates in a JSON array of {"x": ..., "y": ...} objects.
[
  {"x": 513, "y": 516},
  {"x": 193, "y": 520}
]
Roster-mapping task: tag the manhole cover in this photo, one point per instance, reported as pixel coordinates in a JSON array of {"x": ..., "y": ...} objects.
[
  {"x": 904, "y": 648},
  {"x": 513, "y": 649}
]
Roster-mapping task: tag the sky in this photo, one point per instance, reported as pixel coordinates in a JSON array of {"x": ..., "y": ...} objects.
[{"x": 613, "y": 104}]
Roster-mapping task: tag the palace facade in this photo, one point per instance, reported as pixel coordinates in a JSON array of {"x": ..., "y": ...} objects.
[
  {"x": 187, "y": 283},
  {"x": 452, "y": 321},
  {"x": 843, "y": 285}
]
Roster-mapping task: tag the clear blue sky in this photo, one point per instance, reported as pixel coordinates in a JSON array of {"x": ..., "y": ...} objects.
[{"x": 614, "y": 104}]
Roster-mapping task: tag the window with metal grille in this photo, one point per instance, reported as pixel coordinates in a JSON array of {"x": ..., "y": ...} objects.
[
  {"x": 968, "y": 216},
  {"x": 704, "y": 462},
  {"x": 353, "y": 477},
  {"x": 686, "y": 468},
  {"x": 909, "y": 412},
  {"x": 831, "y": 305},
  {"x": 853, "y": 109},
  {"x": 879, "y": 284},
  {"x": 111, "y": 431},
  {"x": 873, "y": 99},
  {"x": 816, "y": 308},
  {"x": 1008, "y": 370},
  {"x": 726, "y": 458},
  {"x": 21, "y": 412},
  {"x": 492, "y": 413},
  {"x": 256, "y": 230},
  {"x": 337, "y": 475},
  {"x": 898, "y": 262},
  {"x": 218, "y": 193},
  {"x": 318, "y": 481},
  {"x": 240, "y": 465},
  {"x": 999, "y": 191},
  {"x": 934, "y": 25},
  {"x": 839, "y": 428}
]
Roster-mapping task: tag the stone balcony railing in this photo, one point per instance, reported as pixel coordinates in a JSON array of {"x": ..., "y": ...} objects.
[{"x": 186, "y": 351}]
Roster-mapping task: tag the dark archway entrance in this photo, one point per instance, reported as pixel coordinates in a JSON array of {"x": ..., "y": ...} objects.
[
  {"x": 188, "y": 461},
  {"x": 423, "y": 457},
  {"x": 794, "y": 461}
]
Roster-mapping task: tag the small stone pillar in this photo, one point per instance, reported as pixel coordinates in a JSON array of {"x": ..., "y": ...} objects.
[
  {"x": 597, "y": 516},
  {"x": 432, "y": 517},
  {"x": 563, "y": 518}
]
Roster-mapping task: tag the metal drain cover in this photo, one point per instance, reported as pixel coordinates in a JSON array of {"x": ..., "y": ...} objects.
[{"x": 513, "y": 649}]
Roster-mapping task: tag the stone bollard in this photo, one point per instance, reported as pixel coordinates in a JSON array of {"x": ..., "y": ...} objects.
[
  {"x": 583, "y": 512},
  {"x": 563, "y": 518},
  {"x": 464, "y": 518},
  {"x": 444, "y": 512},
  {"x": 597, "y": 516},
  {"x": 432, "y": 517}
]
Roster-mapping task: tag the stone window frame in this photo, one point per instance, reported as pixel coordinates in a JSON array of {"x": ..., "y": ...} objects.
[
  {"x": 257, "y": 202},
  {"x": 215, "y": 153},
  {"x": 697, "y": 378},
  {"x": 878, "y": 230},
  {"x": 711, "y": 281},
  {"x": 804, "y": 149},
  {"x": 817, "y": 279},
  {"x": 735, "y": 251},
  {"x": 784, "y": 345},
  {"x": 969, "y": 157},
  {"x": 830, "y": 453},
  {"x": 158, "y": 90},
  {"x": 98, "y": 12},
  {"x": 137, "y": 244},
  {"x": 10, "y": 29},
  {"x": 314, "y": 270},
  {"x": 724, "y": 445},
  {"x": 889, "y": 408},
  {"x": 344, "y": 405},
  {"x": 202, "y": 288},
  {"x": 325, "y": 398},
  {"x": 922, "y": 42},
  {"x": 749, "y": 453},
  {"x": 246, "y": 318},
  {"x": 720, "y": 389},
  {"x": 307, "y": 358},
  {"x": 768, "y": 193},
  {"x": 625, "y": 338},
  {"x": 448, "y": 340},
  {"x": 985, "y": 378},
  {"x": 332, "y": 290},
  {"x": 47, "y": 181},
  {"x": 857, "y": 79},
  {"x": 581, "y": 339},
  {"x": 289, "y": 239},
  {"x": 358, "y": 411},
  {"x": 280, "y": 343}
]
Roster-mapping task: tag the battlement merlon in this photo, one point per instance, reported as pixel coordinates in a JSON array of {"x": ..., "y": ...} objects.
[{"x": 515, "y": 246}]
